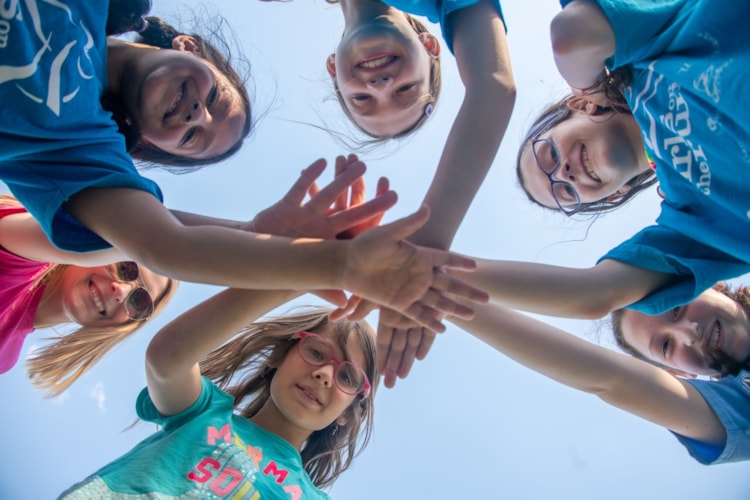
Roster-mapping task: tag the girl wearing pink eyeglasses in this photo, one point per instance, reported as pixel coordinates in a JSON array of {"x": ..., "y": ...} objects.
[{"x": 278, "y": 411}]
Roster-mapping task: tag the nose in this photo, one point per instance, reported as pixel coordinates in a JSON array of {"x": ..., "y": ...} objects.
[
  {"x": 379, "y": 81},
  {"x": 324, "y": 374},
  {"x": 119, "y": 290},
  {"x": 687, "y": 332},
  {"x": 565, "y": 173},
  {"x": 194, "y": 113}
]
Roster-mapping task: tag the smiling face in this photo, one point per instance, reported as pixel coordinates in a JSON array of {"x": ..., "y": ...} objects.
[
  {"x": 382, "y": 71},
  {"x": 305, "y": 398},
  {"x": 92, "y": 298},
  {"x": 690, "y": 338},
  {"x": 181, "y": 103},
  {"x": 598, "y": 153}
]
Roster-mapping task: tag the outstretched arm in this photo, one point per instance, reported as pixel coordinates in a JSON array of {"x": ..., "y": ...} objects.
[
  {"x": 620, "y": 380},
  {"x": 481, "y": 51},
  {"x": 563, "y": 291},
  {"x": 582, "y": 40},
  {"x": 377, "y": 265},
  {"x": 172, "y": 370},
  {"x": 21, "y": 234},
  {"x": 484, "y": 66}
]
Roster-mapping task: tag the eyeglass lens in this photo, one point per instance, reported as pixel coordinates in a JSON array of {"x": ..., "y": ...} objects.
[
  {"x": 349, "y": 377},
  {"x": 138, "y": 303}
]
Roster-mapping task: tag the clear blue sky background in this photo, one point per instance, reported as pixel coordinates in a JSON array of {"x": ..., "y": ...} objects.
[{"x": 468, "y": 423}]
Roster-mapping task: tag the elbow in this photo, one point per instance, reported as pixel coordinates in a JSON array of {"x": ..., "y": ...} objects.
[
  {"x": 160, "y": 355},
  {"x": 565, "y": 32}
]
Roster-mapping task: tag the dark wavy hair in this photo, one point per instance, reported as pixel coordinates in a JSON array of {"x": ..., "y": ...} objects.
[
  {"x": 129, "y": 15},
  {"x": 612, "y": 85}
]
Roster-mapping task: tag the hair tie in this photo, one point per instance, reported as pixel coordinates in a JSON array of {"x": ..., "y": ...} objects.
[
  {"x": 428, "y": 109},
  {"x": 143, "y": 25}
]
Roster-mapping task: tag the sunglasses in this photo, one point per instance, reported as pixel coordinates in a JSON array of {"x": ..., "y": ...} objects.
[
  {"x": 138, "y": 303},
  {"x": 317, "y": 350}
]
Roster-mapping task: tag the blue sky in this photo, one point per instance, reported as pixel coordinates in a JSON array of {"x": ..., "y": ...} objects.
[{"x": 468, "y": 422}]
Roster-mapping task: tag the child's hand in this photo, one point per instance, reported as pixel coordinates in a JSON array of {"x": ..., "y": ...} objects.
[
  {"x": 380, "y": 266},
  {"x": 399, "y": 343},
  {"x": 331, "y": 211}
]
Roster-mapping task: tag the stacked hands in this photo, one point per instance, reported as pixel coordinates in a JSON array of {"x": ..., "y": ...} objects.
[{"x": 409, "y": 283}]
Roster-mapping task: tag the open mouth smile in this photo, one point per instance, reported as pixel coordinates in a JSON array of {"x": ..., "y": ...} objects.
[
  {"x": 176, "y": 100},
  {"x": 97, "y": 299},
  {"x": 376, "y": 63},
  {"x": 586, "y": 162}
]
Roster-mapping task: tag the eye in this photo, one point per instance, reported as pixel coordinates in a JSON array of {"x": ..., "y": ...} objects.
[
  {"x": 188, "y": 136},
  {"x": 570, "y": 191},
  {"x": 674, "y": 313},
  {"x": 213, "y": 95},
  {"x": 360, "y": 97},
  {"x": 665, "y": 347},
  {"x": 405, "y": 88},
  {"x": 554, "y": 156}
]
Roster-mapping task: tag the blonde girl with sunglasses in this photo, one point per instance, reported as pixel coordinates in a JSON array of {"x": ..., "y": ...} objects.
[
  {"x": 42, "y": 287},
  {"x": 247, "y": 409}
]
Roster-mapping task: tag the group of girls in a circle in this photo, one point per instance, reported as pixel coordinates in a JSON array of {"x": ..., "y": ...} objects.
[{"x": 258, "y": 407}]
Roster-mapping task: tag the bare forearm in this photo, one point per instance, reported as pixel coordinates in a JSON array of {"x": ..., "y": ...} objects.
[
  {"x": 191, "y": 219},
  {"x": 627, "y": 383},
  {"x": 184, "y": 341},
  {"x": 485, "y": 69},
  {"x": 562, "y": 291},
  {"x": 218, "y": 255},
  {"x": 582, "y": 40}
]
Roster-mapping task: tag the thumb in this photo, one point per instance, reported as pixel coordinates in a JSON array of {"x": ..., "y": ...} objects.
[{"x": 402, "y": 228}]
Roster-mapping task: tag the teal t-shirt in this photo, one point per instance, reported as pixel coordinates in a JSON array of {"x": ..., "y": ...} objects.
[
  {"x": 55, "y": 138},
  {"x": 689, "y": 61},
  {"x": 203, "y": 452},
  {"x": 438, "y": 11}
]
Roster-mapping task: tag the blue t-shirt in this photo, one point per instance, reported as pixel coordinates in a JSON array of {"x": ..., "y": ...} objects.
[
  {"x": 730, "y": 400},
  {"x": 437, "y": 11},
  {"x": 689, "y": 61},
  {"x": 55, "y": 138},
  {"x": 206, "y": 451}
]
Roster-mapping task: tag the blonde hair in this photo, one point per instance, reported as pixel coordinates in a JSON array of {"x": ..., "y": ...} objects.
[
  {"x": 245, "y": 366},
  {"x": 54, "y": 367}
]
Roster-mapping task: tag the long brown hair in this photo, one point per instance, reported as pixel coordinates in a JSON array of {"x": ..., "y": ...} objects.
[
  {"x": 612, "y": 86},
  {"x": 245, "y": 366}
]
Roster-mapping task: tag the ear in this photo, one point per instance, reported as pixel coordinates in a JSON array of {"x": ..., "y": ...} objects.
[
  {"x": 342, "y": 421},
  {"x": 680, "y": 373},
  {"x": 143, "y": 143},
  {"x": 185, "y": 43},
  {"x": 719, "y": 286},
  {"x": 331, "y": 65},
  {"x": 430, "y": 43},
  {"x": 592, "y": 104},
  {"x": 617, "y": 195}
]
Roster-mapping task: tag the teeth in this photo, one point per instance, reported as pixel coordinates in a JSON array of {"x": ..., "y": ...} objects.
[
  {"x": 587, "y": 165},
  {"x": 177, "y": 99},
  {"x": 376, "y": 63},
  {"x": 97, "y": 299},
  {"x": 715, "y": 336}
]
